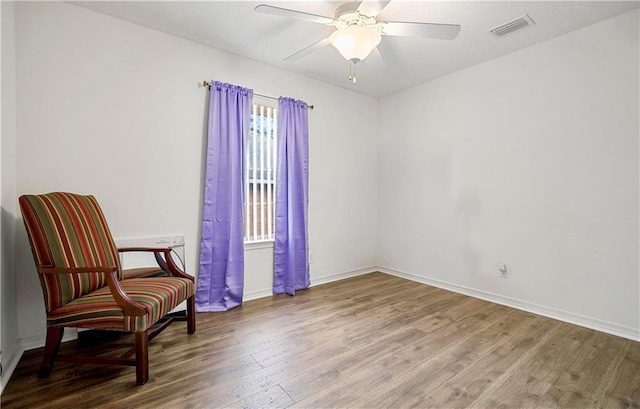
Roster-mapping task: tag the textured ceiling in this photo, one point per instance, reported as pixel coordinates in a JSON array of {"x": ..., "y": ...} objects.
[{"x": 233, "y": 26}]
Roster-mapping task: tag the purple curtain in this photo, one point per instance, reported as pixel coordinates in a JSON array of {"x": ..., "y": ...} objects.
[
  {"x": 221, "y": 275},
  {"x": 291, "y": 249}
]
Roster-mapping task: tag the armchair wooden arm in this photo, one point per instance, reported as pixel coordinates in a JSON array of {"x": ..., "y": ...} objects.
[
  {"x": 167, "y": 264},
  {"x": 128, "y": 305}
]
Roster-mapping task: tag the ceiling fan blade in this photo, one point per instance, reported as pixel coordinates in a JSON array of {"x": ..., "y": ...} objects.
[
  {"x": 425, "y": 30},
  {"x": 300, "y": 15},
  {"x": 372, "y": 8},
  {"x": 375, "y": 60},
  {"x": 308, "y": 50}
]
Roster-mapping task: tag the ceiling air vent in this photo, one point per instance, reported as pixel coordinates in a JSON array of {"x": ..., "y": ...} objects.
[{"x": 512, "y": 26}]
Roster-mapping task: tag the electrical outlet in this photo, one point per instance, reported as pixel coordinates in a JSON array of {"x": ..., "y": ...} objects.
[{"x": 503, "y": 270}]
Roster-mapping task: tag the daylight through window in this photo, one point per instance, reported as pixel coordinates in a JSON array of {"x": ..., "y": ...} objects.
[{"x": 261, "y": 174}]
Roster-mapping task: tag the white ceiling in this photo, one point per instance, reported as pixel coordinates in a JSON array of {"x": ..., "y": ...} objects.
[{"x": 233, "y": 26}]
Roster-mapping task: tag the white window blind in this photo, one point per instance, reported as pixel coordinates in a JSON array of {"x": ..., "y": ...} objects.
[{"x": 261, "y": 174}]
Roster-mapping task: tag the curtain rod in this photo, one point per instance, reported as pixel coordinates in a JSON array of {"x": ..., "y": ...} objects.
[{"x": 208, "y": 85}]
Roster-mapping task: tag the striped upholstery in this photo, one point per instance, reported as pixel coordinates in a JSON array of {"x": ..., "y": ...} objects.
[
  {"x": 99, "y": 310},
  {"x": 68, "y": 230}
]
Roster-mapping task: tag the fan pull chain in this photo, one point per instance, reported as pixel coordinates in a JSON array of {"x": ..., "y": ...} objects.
[{"x": 352, "y": 72}]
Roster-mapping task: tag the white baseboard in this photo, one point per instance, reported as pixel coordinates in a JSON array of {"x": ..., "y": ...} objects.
[
  {"x": 254, "y": 295},
  {"x": 268, "y": 292},
  {"x": 38, "y": 341},
  {"x": 11, "y": 365},
  {"x": 341, "y": 276},
  {"x": 566, "y": 316}
]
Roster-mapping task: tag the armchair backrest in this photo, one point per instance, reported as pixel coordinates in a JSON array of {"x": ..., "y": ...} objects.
[{"x": 67, "y": 230}]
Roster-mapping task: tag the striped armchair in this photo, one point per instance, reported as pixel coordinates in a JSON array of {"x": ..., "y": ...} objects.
[{"x": 83, "y": 284}]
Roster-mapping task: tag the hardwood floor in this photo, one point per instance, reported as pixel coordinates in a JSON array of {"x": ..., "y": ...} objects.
[{"x": 373, "y": 341}]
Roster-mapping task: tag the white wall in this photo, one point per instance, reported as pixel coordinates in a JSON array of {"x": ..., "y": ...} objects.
[
  {"x": 109, "y": 108},
  {"x": 8, "y": 310},
  {"x": 532, "y": 159}
]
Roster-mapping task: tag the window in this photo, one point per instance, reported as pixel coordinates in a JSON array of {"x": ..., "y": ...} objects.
[{"x": 261, "y": 174}]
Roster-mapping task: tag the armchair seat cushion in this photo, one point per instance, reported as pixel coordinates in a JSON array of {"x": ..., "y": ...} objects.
[{"x": 99, "y": 309}]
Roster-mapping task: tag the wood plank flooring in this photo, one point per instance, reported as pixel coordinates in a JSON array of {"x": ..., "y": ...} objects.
[{"x": 374, "y": 341}]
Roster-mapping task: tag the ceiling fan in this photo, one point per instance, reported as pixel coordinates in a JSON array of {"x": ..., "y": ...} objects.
[{"x": 358, "y": 31}]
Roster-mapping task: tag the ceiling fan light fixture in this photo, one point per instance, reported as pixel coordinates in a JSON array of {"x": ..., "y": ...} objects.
[{"x": 355, "y": 43}]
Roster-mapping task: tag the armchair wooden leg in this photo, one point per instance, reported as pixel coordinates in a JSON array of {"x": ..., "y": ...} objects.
[
  {"x": 191, "y": 314},
  {"x": 142, "y": 357},
  {"x": 51, "y": 346}
]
